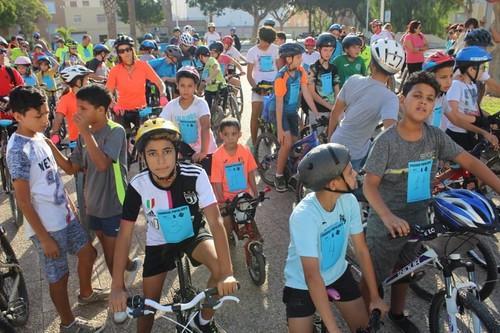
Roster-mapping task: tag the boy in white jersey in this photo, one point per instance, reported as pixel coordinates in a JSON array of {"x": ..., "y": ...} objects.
[{"x": 52, "y": 226}]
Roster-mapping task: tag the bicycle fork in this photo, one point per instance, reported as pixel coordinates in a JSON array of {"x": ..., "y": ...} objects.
[{"x": 15, "y": 304}]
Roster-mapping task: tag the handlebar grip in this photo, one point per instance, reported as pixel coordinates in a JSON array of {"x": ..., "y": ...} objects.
[
  {"x": 215, "y": 291},
  {"x": 136, "y": 301}
]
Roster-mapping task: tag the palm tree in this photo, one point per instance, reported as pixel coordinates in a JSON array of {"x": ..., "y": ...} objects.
[
  {"x": 110, "y": 8},
  {"x": 167, "y": 13},
  {"x": 131, "y": 18}
]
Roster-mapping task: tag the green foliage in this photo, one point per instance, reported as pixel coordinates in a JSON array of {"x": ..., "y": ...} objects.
[
  {"x": 65, "y": 33},
  {"x": 147, "y": 12},
  {"x": 23, "y": 13}
]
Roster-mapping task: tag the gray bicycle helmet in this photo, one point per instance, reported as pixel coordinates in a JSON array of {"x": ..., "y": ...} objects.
[
  {"x": 124, "y": 40},
  {"x": 322, "y": 164},
  {"x": 325, "y": 40},
  {"x": 478, "y": 37},
  {"x": 173, "y": 51},
  {"x": 269, "y": 22},
  {"x": 291, "y": 49}
]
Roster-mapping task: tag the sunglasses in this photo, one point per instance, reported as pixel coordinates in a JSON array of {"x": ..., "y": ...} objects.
[{"x": 122, "y": 51}]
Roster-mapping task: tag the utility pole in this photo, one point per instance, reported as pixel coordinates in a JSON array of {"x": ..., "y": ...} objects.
[{"x": 382, "y": 11}]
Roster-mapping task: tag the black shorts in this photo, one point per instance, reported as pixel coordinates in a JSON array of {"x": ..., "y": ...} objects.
[
  {"x": 465, "y": 140},
  {"x": 299, "y": 303},
  {"x": 415, "y": 67},
  {"x": 128, "y": 118},
  {"x": 161, "y": 258}
]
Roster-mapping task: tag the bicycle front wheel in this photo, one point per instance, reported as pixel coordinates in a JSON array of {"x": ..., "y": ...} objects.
[
  {"x": 266, "y": 155},
  {"x": 17, "y": 215},
  {"x": 472, "y": 316}
]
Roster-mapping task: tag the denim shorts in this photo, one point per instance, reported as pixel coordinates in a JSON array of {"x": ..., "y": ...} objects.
[
  {"x": 108, "y": 225},
  {"x": 290, "y": 123},
  {"x": 70, "y": 240}
]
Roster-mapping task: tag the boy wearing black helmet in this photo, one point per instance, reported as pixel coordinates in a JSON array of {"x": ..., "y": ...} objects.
[
  {"x": 320, "y": 227},
  {"x": 350, "y": 63},
  {"x": 98, "y": 63}
]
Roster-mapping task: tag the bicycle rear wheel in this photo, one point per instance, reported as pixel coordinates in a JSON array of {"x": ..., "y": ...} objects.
[
  {"x": 469, "y": 308},
  {"x": 266, "y": 155},
  {"x": 16, "y": 213}
]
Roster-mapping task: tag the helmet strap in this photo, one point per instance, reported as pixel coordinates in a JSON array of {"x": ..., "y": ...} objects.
[{"x": 349, "y": 189}]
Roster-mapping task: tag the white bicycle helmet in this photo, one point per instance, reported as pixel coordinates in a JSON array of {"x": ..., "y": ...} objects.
[
  {"x": 464, "y": 210},
  {"x": 188, "y": 28},
  {"x": 389, "y": 54},
  {"x": 22, "y": 60},
  {"x": 186, "y": 39},
  {"x": 70, "y": 73}
]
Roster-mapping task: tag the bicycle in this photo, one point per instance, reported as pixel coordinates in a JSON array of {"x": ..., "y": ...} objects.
[
  {"x": 186, "y": 300},
  {"x": 14, "y": 302},
  {"x": 217, "y": 109},
  {"x": 7, "y": 125},
  {"x": 242, "y": 211}
]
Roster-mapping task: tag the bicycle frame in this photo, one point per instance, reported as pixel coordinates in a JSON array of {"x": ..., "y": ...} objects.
[{"x": 299, "y": 149}]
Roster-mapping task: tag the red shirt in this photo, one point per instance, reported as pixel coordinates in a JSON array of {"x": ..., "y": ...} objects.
[{"x": 6, "y": 84}]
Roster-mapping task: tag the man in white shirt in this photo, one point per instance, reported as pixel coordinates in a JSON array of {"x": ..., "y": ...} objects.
[
  {"x": 378, "y": 33},
  {"x": 211, "y": 36}
]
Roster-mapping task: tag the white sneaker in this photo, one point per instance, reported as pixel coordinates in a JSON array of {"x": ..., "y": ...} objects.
[{"x": 132, "y": 273}]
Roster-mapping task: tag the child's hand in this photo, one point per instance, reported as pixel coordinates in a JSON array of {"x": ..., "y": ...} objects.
[
  {"x": 379, "y": 304},
  {"x": 227, "y": 286},
  {"x": 396, "y": 226},
  {"x": 492, "y": 139},
  {"x": 50, "y": 247},
  {"x": 81, "y": 123},
  {"x": 118, "y": 300}
]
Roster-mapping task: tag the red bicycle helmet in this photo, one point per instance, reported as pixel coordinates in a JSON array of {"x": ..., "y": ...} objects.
[
  {"x": 228, "y": 40},
  {"x": 438, "y": 60},
  {"x": 310, "y": 41}
]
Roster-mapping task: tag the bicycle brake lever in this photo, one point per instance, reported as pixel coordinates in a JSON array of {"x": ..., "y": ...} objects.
[{"x": 223, "y": 299}]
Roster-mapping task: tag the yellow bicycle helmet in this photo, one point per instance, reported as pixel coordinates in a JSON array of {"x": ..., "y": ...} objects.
[{"x": 155, "y": 127}]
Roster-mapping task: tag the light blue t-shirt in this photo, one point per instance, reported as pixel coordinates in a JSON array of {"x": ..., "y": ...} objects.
[
  {"x": 338, "y": 51},
  {"x": 314, "y": 232},
  {"x": 163, "y": 68}
]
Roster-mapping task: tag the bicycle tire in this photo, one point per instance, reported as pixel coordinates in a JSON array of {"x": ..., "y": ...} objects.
[
  {"x": 465, "y": 302},
  {"x": 239, "y": 97},
  {"x": 257, "y": 267},
  {"x": 15, "y": 210},
  {"x": 233, "y": 106},
  {"x": 266, "y": 155},
  {"x": 485, "y": 289},
  {"x": 22, "y": 291}
]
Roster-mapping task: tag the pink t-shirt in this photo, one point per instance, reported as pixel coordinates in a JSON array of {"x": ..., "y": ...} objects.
[
  {"x": 418, "y": 41},
  {"x": 224, "y": 62}
]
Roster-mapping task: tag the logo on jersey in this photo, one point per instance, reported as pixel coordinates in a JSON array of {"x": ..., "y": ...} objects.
[
  {"x": 150, "y": 203},
  {"x": 190, "y": 197}
]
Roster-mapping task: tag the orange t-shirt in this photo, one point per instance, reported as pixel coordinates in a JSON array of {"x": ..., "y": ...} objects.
[
  {"x": 232, "y": 170},
  {"x": 131, "y": 87},
  {"x": 67, "y": 106}
]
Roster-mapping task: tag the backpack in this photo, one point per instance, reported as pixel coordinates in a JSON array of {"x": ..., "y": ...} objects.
[{"x": 10, "y": 71}]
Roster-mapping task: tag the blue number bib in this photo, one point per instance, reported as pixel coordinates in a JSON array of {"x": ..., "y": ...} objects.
[
  {"x": 293, "y": 93},
  {"x": 86, "y": 53},
  {"x": 222, "y": 67},
  {"x": 189, "y": 131},
  {"x": 326, "y": 84},
  {"x": 235, "y": 176},
  {"x": 186, "y": 62},
  {"x": 48, "y": 81},
  {"x": 204, "y": 74},
  {"x": 436, "y": 116},
  {"x": 266, "y": 63},
  {"x": 419, "y": 180},
  {"x": 176, "y": 224},
  {"x": 331, "y": 243}
]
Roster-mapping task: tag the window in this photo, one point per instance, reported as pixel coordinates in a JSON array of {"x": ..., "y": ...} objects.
[
  {"x": 85, "y": 3},
  {"x": 72, "y": 3},
  {"x": 51, "y": 7},
  {"x": 77, "y": 18},
  {"x": 101, "y": 18}
]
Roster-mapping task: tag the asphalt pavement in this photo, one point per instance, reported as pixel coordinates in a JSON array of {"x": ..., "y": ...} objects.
[{"x": 260, "y": 308}]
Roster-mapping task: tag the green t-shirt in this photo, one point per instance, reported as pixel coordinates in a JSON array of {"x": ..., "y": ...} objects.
[
  {"x": 208, "y": 70},
  {"x": 86, "y": 53},
  {"x": 347, "y": 68},
  {"x": 16, "y": 53},
  {"x": 60, "y": 53}
]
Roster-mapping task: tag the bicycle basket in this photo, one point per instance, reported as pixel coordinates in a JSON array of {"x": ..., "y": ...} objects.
[
  {"x": 243, "y": 207},
  {"x": 269, "y": 109}
]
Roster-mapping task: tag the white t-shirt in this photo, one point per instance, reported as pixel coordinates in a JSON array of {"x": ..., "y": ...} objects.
[
  {"x": 382, "y": 34},
  {"x": 309, "y": 59},
  {"x": 233, "y": 53},
  {"x": 31, "y": 159},
  {"x": 211, "y": 37},
  {"x": 466, "y": 96},
  {"x": 188, "y": 121},
  {"x": 264, "y": 62},
  {"x": 438, "y": 117}
]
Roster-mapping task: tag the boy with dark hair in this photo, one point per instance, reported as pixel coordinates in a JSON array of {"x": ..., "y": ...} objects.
[
  {"x": 101, "y": 152},
  {"x": 399, "y": 172},
  {"x": 280, "y": 38},
  {"x": 350, "y": 63},
  {"x": 52, "y": 225}
]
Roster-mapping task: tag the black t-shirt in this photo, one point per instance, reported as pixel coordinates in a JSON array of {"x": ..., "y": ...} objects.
[
  {"x": 93, "y": 64},
  {"x": 237, "y": 43}
]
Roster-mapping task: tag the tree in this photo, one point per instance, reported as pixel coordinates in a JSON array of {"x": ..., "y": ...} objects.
[
  {"x": 22, "y": 13},
  {"x": 148, "y": 12},
  {"x": 495, "y": 64},
  {"x": 65, "y": 33},
  {"x": 110, "y": 7},
  {"x": 167, "y": 13},
  {"x": 284, "y": 14}
]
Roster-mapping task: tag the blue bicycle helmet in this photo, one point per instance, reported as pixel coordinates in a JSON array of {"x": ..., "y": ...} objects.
[
  {"x": 98, "y": 48},
  {"x": 148, "y": 36},
  {"x": 472, "y": 54},
  {"x": 44, "y": 59},
  {"x": 335, "y": 26},
  {"x": 464, "y": 210},
  {"x": 147, "y": 45}
]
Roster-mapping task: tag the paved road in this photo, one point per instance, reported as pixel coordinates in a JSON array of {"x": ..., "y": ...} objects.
[{"x": 260, "y": 309}]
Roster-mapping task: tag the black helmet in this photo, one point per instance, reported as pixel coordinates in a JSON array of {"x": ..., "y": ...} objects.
[
  {"x": 188, "y": 71},
  {"x": 123, "y": 40},
  {"x": 291, "y": 49},
  {"x": 478, "y": 37},
  {"x": 322, "y": 164},
  {"x": 202, "y": 50},
  {"x": 351, "y": 40},
  {"x": 216, "y": 46},
  {"x": 173, "y": 51},
  {"x": 326, "y": 39}
]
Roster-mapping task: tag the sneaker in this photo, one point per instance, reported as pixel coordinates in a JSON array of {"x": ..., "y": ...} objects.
[
  {"x": 81, "y": 325},
  {"x": 98, "y": 295},
  {"x": 403, "y": 323},
  {"x": 132, "y": 272},
  {"x": 211, "y": 327},
  {"x": 280, "y": 184}
]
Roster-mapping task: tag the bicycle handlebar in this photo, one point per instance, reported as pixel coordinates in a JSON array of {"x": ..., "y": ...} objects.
[{"x": 137, "y": 305}]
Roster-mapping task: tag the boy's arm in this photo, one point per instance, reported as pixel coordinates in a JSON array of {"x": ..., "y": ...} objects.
[
  {"x": 205, "y": 138},
  {"x": 62, "y": 161},
  {"x": 394, "y": 224},
  {"x": 215, "y": 71},
  {"x": 317, "y": 290},
  {"x": 279, "y": 118},
  {"x": 253, "y": 183},
  {"x": 309, "y": 100},
  {"x": 249, "y": 75},
  {"x": 218, "y": 192},
  {"x": 478, "y": 169},
  {"x": 23, "y": 198}
]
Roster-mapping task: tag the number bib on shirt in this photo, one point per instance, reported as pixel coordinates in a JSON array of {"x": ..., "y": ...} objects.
[
  {"x": 331, "y": 243},
  {"x": 86, "y": 53},
  {"x": 189, "y": 131},
  {"x": 266, "y": 63},
  {"x": 186, "y": 62},
  {"x": 306, "y": 67},
  {"x": 326, "y": 84},
  {"x": 48, "y": 81},
  {"x": 419, "y": 180},
  {"x": 437, "y": 115},
  {"x": 235, "y": 176},
  {"x": 176, "y": 224},
  {"x": 293, "y": 93}
]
